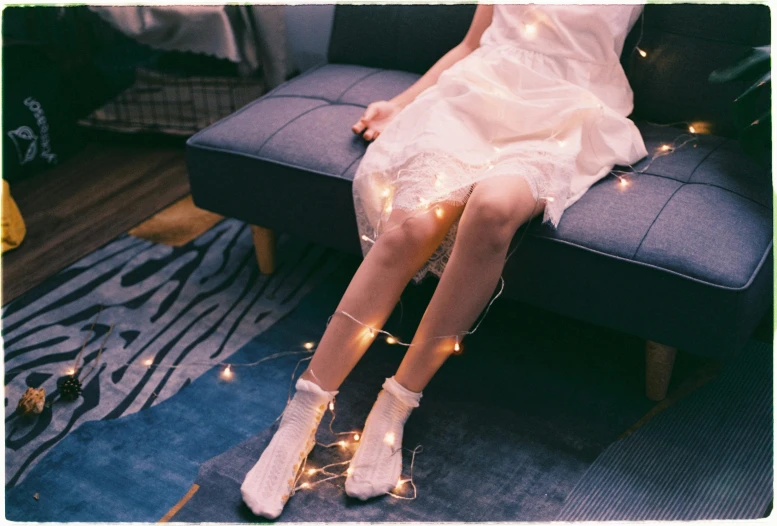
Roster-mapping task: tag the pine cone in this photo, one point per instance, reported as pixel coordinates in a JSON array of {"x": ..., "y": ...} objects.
[
  {"x": 69, "y": 387},
  {"x": 32, "y": 401}
]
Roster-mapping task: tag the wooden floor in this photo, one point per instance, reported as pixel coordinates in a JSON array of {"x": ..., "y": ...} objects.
[{"x": 72, "y": 209}]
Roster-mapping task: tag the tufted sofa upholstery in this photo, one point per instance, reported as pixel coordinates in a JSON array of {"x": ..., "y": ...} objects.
[{"x": 680, "y": 256}]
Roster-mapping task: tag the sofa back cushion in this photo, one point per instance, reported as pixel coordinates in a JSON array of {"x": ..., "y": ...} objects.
[
  {"x": 405, "y": 37},
  {"x": 683, "y": 42}
]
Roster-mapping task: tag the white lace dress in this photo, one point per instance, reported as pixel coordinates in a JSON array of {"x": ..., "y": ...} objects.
[{"x": 544, "y": 97}]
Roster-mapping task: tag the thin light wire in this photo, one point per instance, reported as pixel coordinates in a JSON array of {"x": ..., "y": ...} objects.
[
  {"x": 641, "y": 30},
  {"x": 671, "y": 148},
  {"x": 419, "y": 448}
]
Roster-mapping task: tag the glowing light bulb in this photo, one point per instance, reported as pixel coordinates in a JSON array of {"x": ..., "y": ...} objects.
[
  {"x": 149, "y": 361},
  {"x": 531, "y": 29},
  {"x": 389, "y": 438},
  {"x": 391, "y": 339},
  {"x": 389, "y": 208},
  {"x": 372, "y": 331},
  {"x": 386, "y": 192},
  {"x": 624, "y": 182},
  {"x": 456, "y": 347},
  {"x": 305, "y": 485},
  {"x": 438, "y": 212},
  {"x": 364, "y": 237},
  {"x": 342, "y": 443},
  {"x": 309, "y": 345},
  {"x": 71, "y": 372},
  {"x": 641, "y": 52},
  {"x": 549, "y": 199},
  {"x": 227, "y": 372},
  {"x": 331, "y": 406},
  {"x": 691, "y": 129},
  {"x": 665, "y": 147},
  {"x": 400, "y": 482},
  {"x": 311, "y": 471},
  {"x": 349, "y": 471},
  {"x": 356, "y": 437}
]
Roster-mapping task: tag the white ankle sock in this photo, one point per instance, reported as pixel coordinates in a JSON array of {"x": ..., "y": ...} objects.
[
  {"x": 268, "y": 485},
  {"x": 377, "y": 464}
]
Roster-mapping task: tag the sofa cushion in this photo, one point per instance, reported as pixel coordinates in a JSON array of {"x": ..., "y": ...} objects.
[
  {"x": 703, "y": 211},
  {"x": 698, "y": 217},
  {"x": 396, "y": 36}
]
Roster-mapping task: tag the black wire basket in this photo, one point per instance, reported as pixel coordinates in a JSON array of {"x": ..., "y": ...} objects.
[{"x": 119, "y": 85}]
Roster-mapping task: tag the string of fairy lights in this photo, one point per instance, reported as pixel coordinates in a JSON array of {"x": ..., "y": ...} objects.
[{"x": 308, "y": 349}]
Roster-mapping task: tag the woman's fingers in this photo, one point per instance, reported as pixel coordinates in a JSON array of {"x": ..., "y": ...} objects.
[
  {"x": 360, "y": 126},
  {"x": 371, "y": 134},
  {"x": 369, "y": 113}
]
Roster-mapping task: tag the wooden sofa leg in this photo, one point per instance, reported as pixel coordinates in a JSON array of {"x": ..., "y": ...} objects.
[
  {"x": 264, "y": 245},
  {"x": 659, "y": 361}
]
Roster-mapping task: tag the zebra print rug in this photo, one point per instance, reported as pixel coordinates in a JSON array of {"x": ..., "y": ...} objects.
[{"x": 190, "y": 307}]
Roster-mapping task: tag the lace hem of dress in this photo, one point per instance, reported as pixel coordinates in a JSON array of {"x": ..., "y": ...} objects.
[{"x": 434, "y": 177}]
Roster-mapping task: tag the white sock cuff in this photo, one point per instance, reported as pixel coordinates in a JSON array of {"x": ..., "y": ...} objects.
[
  {"x": 407, "y": 397},
  {"x": 311, "y": 387}
]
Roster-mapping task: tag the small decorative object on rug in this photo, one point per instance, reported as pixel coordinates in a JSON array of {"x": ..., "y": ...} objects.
[
  {"x": 69, "y": 387},
  {"x": 32, "y": 401},
  {"x": 36, "y": 497}
]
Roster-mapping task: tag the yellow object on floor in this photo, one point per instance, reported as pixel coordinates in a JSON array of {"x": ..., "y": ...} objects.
[
  {"x": 13, "y": 229},
  {"x": 177, "y": 224}
]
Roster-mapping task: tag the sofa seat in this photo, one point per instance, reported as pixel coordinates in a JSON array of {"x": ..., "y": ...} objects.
[{"x": 680, "y": 255}]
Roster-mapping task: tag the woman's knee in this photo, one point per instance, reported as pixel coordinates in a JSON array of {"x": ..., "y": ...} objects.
[
  {"x": 403, "y": 243},
  {"x": 491, "y": 218}
]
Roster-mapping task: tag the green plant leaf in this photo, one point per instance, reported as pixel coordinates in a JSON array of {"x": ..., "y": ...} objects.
[
  {"x": 763, "y": 81},
  {"x": 756, "y": 138},
  {"x": 753, "y": 64}
]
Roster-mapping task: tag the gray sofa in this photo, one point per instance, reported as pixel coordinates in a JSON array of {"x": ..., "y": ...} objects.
[{"x": 681, "y": 257}]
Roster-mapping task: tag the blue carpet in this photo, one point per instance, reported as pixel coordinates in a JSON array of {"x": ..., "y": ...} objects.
[
  {"x": 507, "y": 429},
  {"x": 192, "y": 306},
  {"x": 710, "y": 457}
]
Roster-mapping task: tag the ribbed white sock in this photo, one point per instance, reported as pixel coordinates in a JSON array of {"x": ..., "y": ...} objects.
[
  {"x": 377, "y": 464},
  {"x": 268, "y": 485}
]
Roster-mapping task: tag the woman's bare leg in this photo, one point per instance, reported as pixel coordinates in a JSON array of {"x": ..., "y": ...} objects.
[
  {"x": 493, "y": 213},
  {"x": 405, "y": 245},
  {"x": 374, "y": 290},
  {"x": 495, "y": 210}
]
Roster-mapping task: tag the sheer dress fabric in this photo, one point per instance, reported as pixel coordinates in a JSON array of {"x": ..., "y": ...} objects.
[{"x": 543, "y": 98}]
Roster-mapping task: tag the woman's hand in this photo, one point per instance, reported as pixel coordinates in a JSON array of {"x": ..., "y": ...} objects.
[{"x": 375, "y": 118}]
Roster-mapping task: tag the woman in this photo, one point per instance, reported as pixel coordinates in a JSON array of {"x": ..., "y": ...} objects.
[{"x": 520, "y": 118}]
